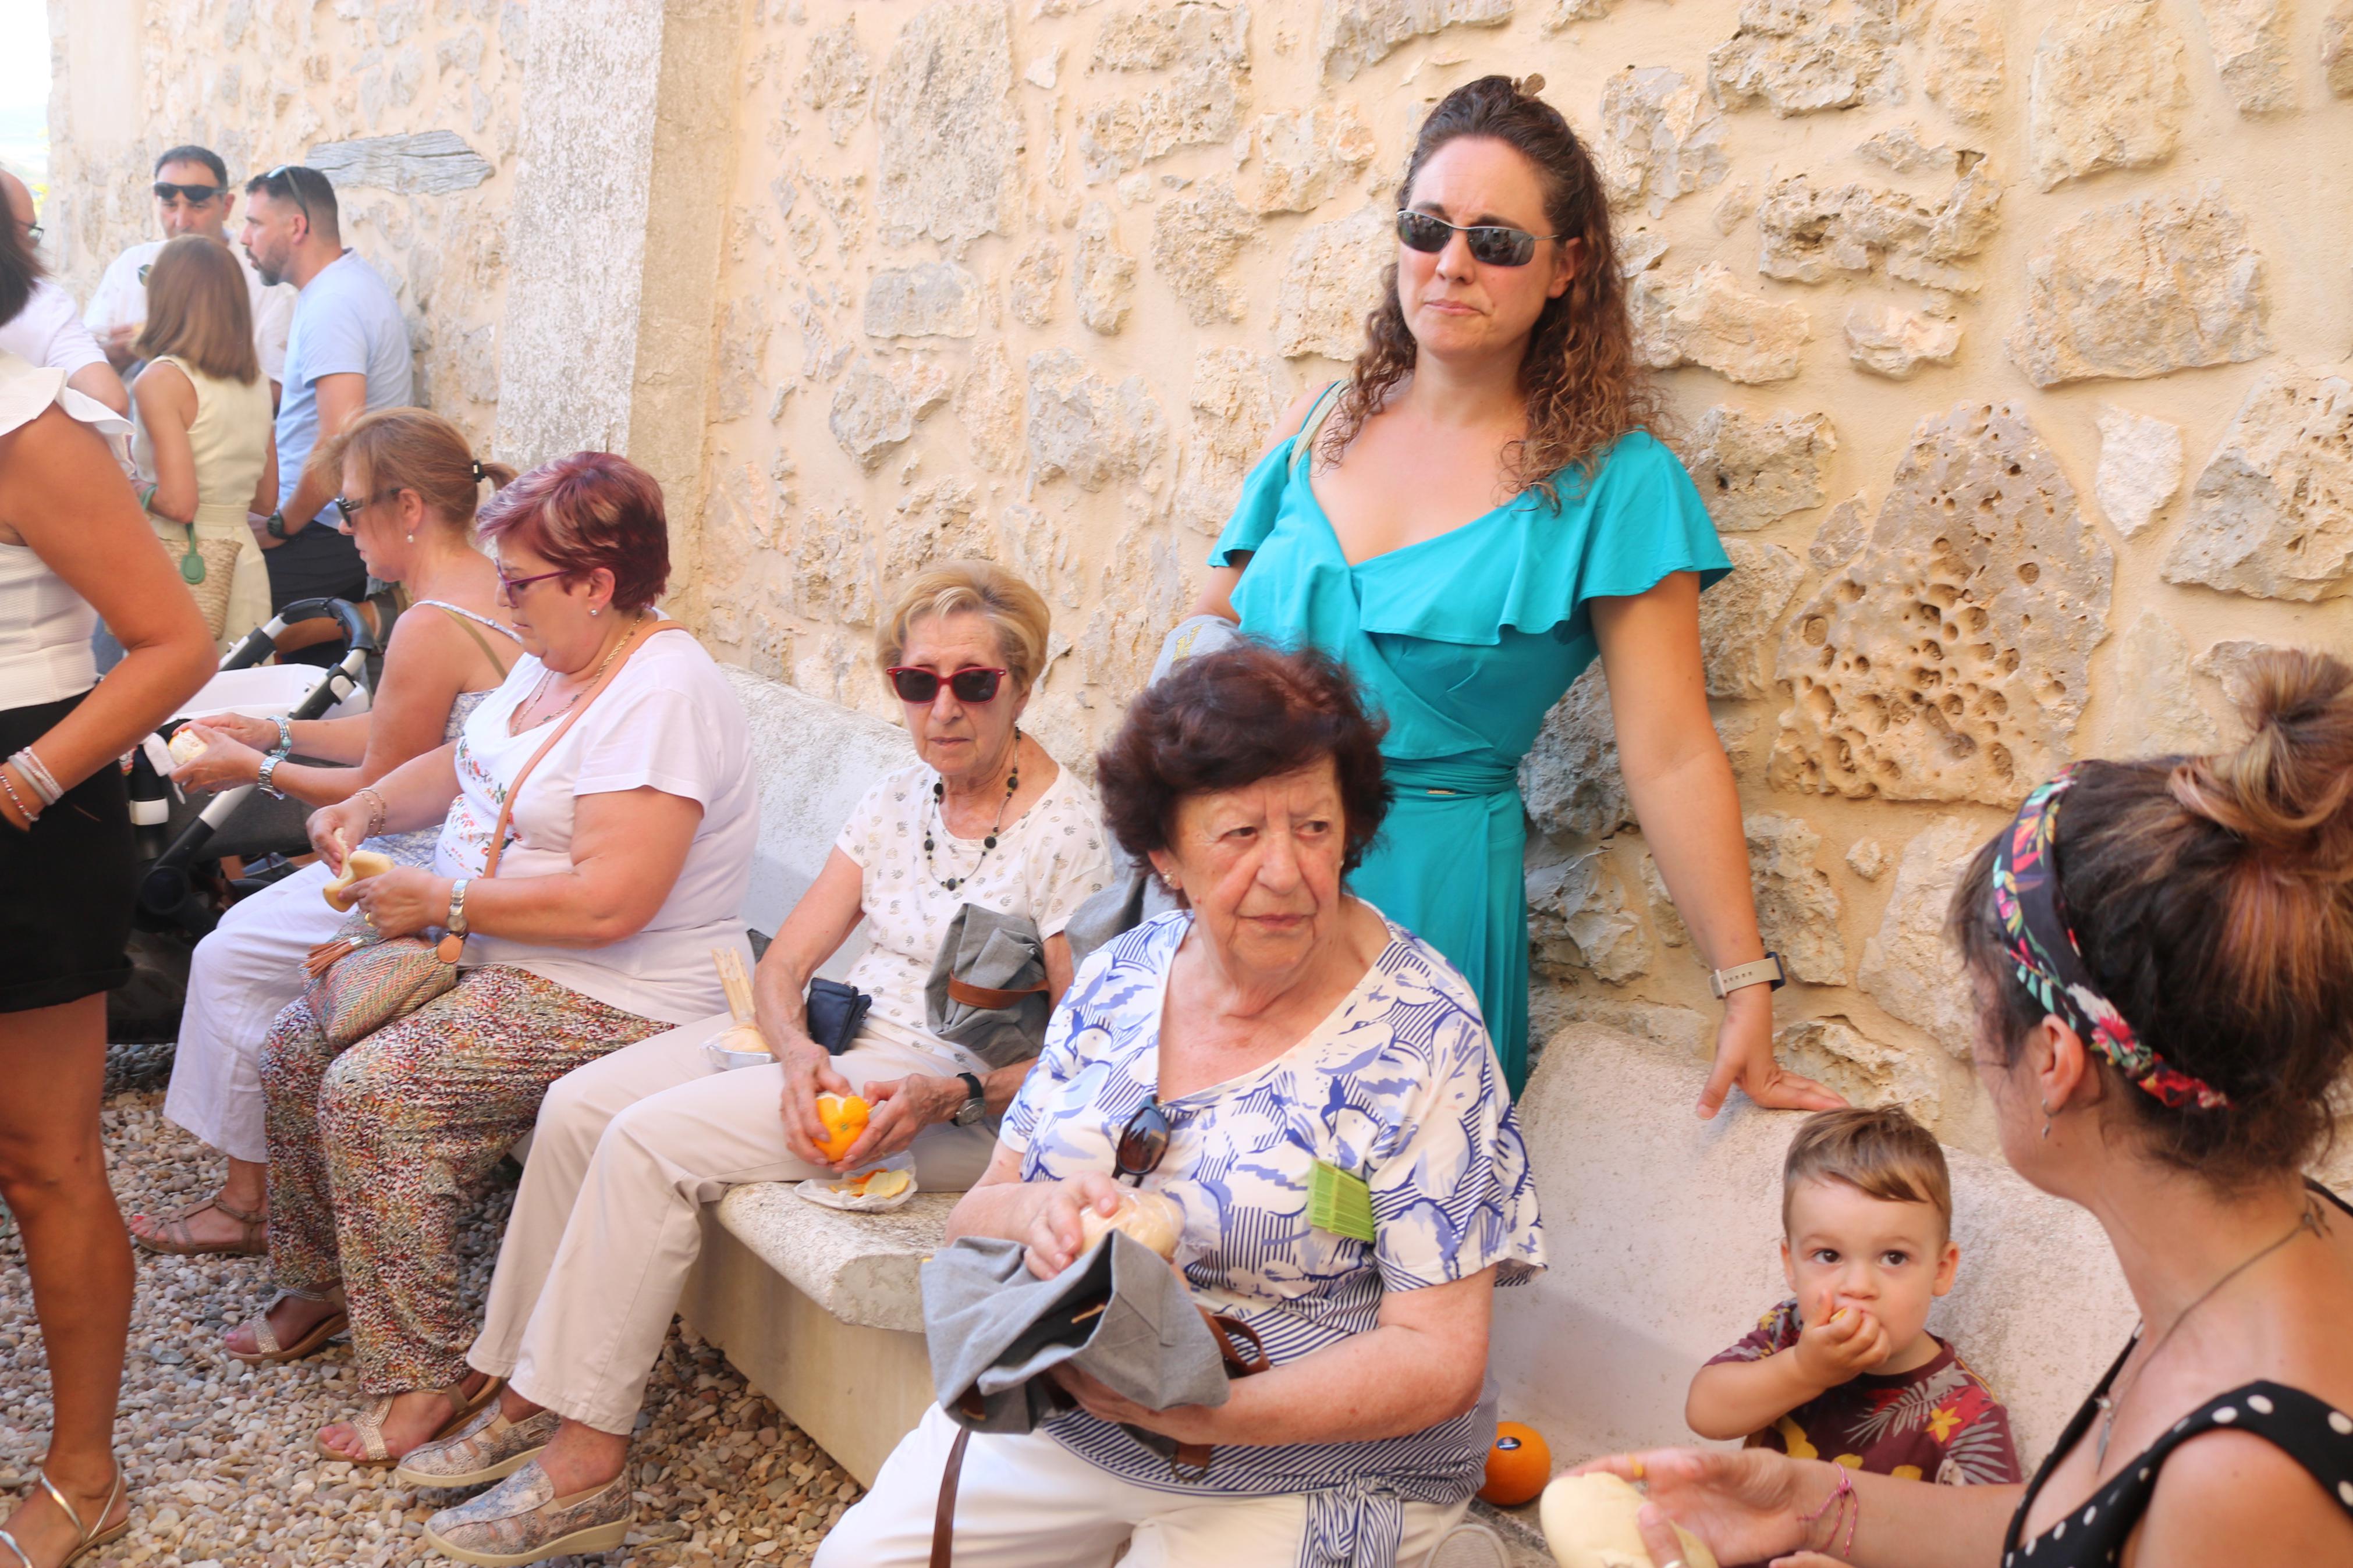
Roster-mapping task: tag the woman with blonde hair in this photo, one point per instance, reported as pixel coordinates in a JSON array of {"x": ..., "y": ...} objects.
[
  {"x": 203, "y": 442},
  {"x": 630, "y": 1148},
  {"x": 410, "y": 486},
  {"x": 1466, "y": 523}
]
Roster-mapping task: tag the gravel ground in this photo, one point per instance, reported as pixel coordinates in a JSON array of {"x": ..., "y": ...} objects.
[{"x": 221, "y": 1466}]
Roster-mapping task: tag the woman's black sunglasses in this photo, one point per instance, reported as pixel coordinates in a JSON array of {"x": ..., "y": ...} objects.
[
  {"x": 971, "y": 684},
  {"x": 1143, "y": 1142},
  {"x": 1490, "y": 244}
]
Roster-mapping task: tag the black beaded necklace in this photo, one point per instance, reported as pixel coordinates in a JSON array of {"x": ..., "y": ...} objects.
[{"x": 939, "y": 795}]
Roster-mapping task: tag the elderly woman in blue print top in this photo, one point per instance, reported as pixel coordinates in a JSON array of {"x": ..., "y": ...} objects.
[
  {"x": 1465, "y": 523},
  {"x": 1219, "y": 1054}
]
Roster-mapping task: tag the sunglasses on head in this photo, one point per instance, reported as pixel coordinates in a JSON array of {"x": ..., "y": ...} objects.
[
  {"x": 284, "y": 176},
  {"x": 1490, "y": 244},
  {"x": 1143, "y": 1142},
  {"x": 970, "y": 684},
  {"x": 195, "y": 196}
]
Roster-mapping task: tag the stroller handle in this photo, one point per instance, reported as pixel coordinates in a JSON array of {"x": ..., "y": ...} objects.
[{"x": 262, "y": 640}]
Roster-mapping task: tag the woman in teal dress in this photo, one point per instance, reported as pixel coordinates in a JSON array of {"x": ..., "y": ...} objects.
[{"x": 1466, "y": 523}]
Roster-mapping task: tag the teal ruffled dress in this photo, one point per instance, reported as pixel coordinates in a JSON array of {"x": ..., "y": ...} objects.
[{"x": 1465, "y": 641}]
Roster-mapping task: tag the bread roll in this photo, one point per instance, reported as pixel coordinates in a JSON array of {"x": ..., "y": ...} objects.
[
  {"x": 744, "y": 1038},
  {"x": 187, "y": 746},
  {"x": 1588, "y": 1522},
  {"x": 358, "y": 866},
  {"x": 1149, "y": 1217}
]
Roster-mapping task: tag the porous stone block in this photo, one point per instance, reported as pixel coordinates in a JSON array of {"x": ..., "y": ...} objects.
[
  {"x": 424, "y": 162},
  {"x": 1965, "y": 58},
  {"x": 1703, "y": 318},
  {"x": 1909, "y": 966},
  {"x": 2272, "y": 515},
  {"x": 1089, "y": 428},
  {"x": 1833, "y": 1052},
  {"x": 1660, "y": 139},
  {"x": 1737, "y": 617},
  {"x": 1890, "y": 340},
  {"x": 2140, "y": 466},
  {"x": 2158, "y": 712},
  {"x": 944, "y": 165},
  {"x": 1901, "y": 149},
  {"x": 2142, "y": 287},
  {"x": 2337, "y": 48},
  {"x": 1752, "y": 470},
  {"x": 1570, "y": 777},
  {"x": 937, "y": 299},
  {"x": 1196, "y": 238},
  {"x": 2251, "y": 42},
  {"x": 2107, "y": 92},
  {"x": 1797, "y": 58},
  {"x": 1578, "y": 921},
  {"x": 1332, "y": 281},
  {"x": 1236, "y": 396},
  {"x": 1036, "y": 277},
  {"x": 1947, "y": 660},
  {"x": 878, "y": 402},
  {"x": 1797, "y": 907},
  {"x": 1205, "y": 47},
  {"x": 1304, "y": 156},
  {"x": 838, "y": 80},
  {"x": 1809, "y": 233},
  {"x": 1351, "y": 34},
  {"x": 1103, "y": 273},
  {"x": 989, "y": 403},
  {"x": 1843, "y": 532}
]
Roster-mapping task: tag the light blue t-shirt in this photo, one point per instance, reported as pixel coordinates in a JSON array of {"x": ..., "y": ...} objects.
[{"x": 345, "y": 321}]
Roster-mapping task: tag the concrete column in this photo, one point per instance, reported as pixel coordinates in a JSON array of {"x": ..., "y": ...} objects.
[{"x": 613, "y": 242}]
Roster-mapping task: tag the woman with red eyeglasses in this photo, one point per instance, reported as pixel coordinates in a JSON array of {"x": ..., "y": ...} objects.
[
  {"x": 629, "y": 1148},
  {"x": 610, "y": 774}
]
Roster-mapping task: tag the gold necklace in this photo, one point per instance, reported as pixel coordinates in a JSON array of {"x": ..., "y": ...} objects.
[{"x": 549, "y": 675}]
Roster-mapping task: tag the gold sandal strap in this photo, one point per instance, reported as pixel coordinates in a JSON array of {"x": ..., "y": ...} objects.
[
  {"x": 369, "y": 1425},
  {"x": 82, "y": 1531}
]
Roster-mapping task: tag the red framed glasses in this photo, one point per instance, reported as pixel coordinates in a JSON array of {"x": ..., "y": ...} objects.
[{"x": 971, "y": 684}]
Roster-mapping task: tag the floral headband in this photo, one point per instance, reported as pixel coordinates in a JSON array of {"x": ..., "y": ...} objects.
[{"x": 2050, "y": 964}]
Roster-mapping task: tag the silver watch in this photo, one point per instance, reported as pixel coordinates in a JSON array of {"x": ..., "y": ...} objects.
[
  {"x": 975, "y": 1106},
  {"x": 1766, "y": 971},
  {"x": 262, "y": 774}
]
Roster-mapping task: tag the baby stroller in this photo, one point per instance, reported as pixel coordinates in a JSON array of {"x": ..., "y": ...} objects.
[{"x": 184, "y": 886}]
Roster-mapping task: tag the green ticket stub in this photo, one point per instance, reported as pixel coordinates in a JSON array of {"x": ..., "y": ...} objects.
[{"x": 1339, "y": 1201}]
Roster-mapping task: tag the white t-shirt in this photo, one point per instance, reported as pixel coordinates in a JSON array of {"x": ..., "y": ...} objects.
[
  {"x": 1048, "y": 861},
  {"x": 669, "y": 721},
  {"x": 49, "y": 333},
  {"x": 120, "y": 299}
]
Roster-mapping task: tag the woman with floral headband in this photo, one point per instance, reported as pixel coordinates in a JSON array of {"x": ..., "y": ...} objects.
[{"x": 2163, "y": 951}]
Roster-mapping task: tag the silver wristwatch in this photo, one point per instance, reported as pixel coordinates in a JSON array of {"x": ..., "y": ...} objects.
[
  {"x": 975, "y": 1106},
  {"x": 457, "y": 926},
  {"x": 1766, "y": 971},
  {"x": 262, "y": 774}
]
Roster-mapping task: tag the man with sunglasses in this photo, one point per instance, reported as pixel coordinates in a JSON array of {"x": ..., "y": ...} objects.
[
  {"x": 192, "y": 196},
  {"x": 346, "y": 354},
  {"x": 47, "y": 331}
]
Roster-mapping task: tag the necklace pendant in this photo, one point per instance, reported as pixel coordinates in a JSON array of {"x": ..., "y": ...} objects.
[
  {"x": 2107, "y": 1429},
  {"x": 952, "y": 883}
]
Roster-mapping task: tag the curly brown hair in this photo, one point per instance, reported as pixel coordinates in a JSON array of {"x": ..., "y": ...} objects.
[{"x": 1585, "y": 388}]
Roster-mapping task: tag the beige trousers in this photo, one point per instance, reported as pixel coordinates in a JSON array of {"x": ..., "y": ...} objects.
[{"x": 604, "y": 1228}]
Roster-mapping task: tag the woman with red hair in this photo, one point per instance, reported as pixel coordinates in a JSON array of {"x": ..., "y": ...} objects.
[{"x": 613, "y": 767}]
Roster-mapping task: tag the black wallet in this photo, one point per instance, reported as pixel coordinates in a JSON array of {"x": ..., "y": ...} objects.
[{"x": 835, "y": 1013}]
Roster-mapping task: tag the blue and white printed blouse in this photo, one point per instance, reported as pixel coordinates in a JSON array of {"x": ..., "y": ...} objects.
[{"x": 1399, "y": 1086}]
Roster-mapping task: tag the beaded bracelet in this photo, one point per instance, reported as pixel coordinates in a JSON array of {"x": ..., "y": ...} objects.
[
  {"x": 285, "y": 734},
  {"x": 378, "y": 812},
  {"x": 36, "y": 774},
  {"x": 27, "y": 812}
]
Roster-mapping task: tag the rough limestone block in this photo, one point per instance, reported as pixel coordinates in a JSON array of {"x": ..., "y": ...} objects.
[
  {"x": 1207, "y": 48},
  {"x": 1809, "y": 233},
  {"x": 1660, "y": 139},
  {"x": 1790, "y": 56},
  {"x": 1332, "y": 282},
  {"x": 1966, "y": 57},
  {"x": 1796, "y": 908},
  {"x": 2140, "y": 466},
  {"x": 945, "y": 163},
  {"x": 988, "y": 404},
  {"x": 1103, "y": 274},
  {"x": 1752, "y": 470},
  {"x": 2107, "y": 92},
  {"x": 1867, "y": 858},
  {"x": 1569, "y": 778},
  {"x": 427, "y": 163},
  {"x": 1083, "y": 427},
  {"x": 1305, "y": 156},
  {"x": 1890, "y": 340},
  {"x": 1843, "y": 532},
  {"x": 1351, "y": 34},
  {"x": 2251, "y": 41},
  {"x": 1578, "y": 921},
  {"x": 2232, "y": 661},
  {"x": 1834, "y": 1052},
  {"x": 877, "y": 404},
  {"x": 1236, "y": 396},
  {"x": 1195, "y": 238},
  {"x": 937, "y": 299},
  {"x": 1908, "y": 967},
  {"x": 1703, "y": 319},
  {"x": 2142, "y": 287},
  {"x": 1737, "y": 615},
  {"x": 2157, "y": 714},
  {"x": 2337, "y": 48},
  {"x": 1902, "y": 150},
  {"x": 838, "y": 78},
  {"x": 1946, "y": 662},
  {"x": 2273, "y": 515},
  {"x": 1037, "y": 277}
]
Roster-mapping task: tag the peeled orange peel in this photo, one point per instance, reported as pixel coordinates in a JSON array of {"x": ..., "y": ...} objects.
[{"x": 878, "y": 1183}]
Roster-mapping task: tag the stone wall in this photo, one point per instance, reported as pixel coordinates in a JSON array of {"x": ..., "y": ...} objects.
[
  {"x": 412, "y": 106},
  {"x": 2008, "y": 345}
]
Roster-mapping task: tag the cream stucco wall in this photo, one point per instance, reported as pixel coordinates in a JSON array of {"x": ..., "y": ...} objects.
[{"x": 865, "y": 284}]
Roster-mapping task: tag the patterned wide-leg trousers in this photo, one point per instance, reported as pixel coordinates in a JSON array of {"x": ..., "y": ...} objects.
[{"x": 372, "y": 1151}]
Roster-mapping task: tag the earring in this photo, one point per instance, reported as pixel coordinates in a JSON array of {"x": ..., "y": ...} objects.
[
  {"x": 594, "y": 611},
  {"x": 2046, "y": 1118},
  {"x": 411, "y": 539}
]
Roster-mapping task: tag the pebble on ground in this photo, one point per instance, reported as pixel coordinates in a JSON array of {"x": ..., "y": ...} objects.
[{"x": 219, "y": 1455}]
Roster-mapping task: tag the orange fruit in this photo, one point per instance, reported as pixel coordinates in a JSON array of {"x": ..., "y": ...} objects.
[
  {"x": 1518, "y": 1466},
  {"x": 844, "y": 1119}
]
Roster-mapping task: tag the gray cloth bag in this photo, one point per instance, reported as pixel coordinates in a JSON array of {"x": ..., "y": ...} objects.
[
  {"x": 1119, "y": 1314},
  {"x": 988, "y": 989}
]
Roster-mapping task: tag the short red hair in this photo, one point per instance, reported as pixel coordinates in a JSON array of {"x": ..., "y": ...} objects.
[{"x": 586, "y": 511}]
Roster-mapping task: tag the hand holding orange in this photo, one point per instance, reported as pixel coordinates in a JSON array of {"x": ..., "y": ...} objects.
[{"x": 844, "y": 1118}]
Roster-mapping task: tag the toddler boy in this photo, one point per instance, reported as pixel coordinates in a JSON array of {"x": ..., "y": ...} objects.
[{"x": 1846, "y": 1369}]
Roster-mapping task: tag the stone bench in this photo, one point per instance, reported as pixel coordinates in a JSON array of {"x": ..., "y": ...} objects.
[{"x": 1662, "y": 1230}]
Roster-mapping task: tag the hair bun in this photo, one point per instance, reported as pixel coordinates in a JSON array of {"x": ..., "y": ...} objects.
[{"x": 2288, "y": 791}]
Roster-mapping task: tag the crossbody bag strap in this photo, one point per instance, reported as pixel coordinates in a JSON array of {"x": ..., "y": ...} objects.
[
  {"x": 450, "y": 946},
  {"x": 1302, "y": 445}
]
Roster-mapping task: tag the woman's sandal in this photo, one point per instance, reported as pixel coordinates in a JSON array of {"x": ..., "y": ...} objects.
[
  {"x": 90, "y": 1542},
  {"x": 369, "y": 1424},
  {"x": 173, "y": 1238},
  {"x": 268, "y": 1352}
]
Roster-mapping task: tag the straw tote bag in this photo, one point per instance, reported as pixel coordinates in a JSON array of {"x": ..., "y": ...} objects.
[{"x": 360, "y": 982}]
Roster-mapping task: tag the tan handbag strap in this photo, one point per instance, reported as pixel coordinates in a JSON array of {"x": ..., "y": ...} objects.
[{"x": 989, "y": 996}]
